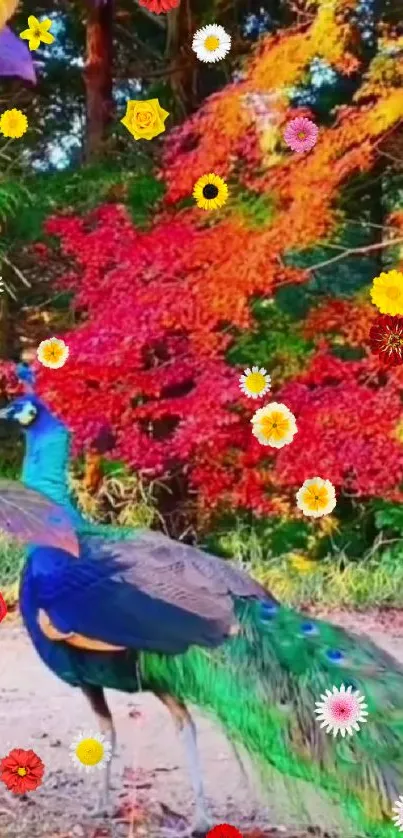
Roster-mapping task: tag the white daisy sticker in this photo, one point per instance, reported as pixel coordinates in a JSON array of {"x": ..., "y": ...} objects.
[
  {"x": 341, "y": 711},
  {"x": 316, "y": 497},
  {"x": 211, "y": 43},
  {"x": 398, "y": 809},
  {"x": 274, "y": 425},
  {"x": 255, "y": 382},
  {"x": 90, "y": 750}
]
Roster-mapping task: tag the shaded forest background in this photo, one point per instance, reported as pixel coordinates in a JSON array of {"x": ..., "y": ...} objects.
[{"x": 163, "y": 306}]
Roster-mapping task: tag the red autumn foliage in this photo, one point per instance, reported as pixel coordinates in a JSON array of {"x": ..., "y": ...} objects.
[{"x": 157, "y": 310}]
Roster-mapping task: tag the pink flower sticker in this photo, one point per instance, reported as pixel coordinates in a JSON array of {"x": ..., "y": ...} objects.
[
  {"x": 340, "y": 711},
  {"x": 301, "y": 134}
]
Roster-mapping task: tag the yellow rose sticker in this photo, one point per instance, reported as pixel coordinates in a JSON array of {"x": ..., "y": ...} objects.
[{"x": 144, "y": 119}]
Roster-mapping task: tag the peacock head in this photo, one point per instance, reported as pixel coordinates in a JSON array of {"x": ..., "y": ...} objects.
[
  {"x": 24, "y": 410},
  {"x": 29, "y": 412}
]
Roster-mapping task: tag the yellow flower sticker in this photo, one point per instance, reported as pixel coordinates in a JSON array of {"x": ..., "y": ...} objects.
[
  {"x": 387, "y": 292},
  {"x": 37, "y": 32},
  {"x": 13, "y": 123},
  {"x": 316, "y": 497},
  {"x": 144, "y": 119},
  {"x": 53, "y": 353},
  {"x": 274, "y": 425}
]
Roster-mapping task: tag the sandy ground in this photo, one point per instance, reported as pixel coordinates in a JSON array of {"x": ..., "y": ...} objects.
[{"x": 39, "y": 711}]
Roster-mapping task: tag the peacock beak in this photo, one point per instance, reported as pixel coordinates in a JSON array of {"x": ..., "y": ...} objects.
[{"x": 5, "y": 413}]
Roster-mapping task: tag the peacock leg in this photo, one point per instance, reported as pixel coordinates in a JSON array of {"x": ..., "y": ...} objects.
[
  {"x": 187, "y": 730},
  {"x": 99, "y": 705}
]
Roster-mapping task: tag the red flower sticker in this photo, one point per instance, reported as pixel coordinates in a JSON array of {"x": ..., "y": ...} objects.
[
  {"x": 386, "y": 339},
  {"x": 159, "y": 6},
  {"x": 224, "y": 830},
  {"x": 3, "y": 608},
  {"x": 21, "y": 771}
]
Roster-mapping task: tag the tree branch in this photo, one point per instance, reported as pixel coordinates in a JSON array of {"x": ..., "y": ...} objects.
[{"x": 354, "y": 251}]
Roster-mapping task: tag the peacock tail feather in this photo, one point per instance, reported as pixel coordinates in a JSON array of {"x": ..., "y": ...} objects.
[{"x": 262, "y": 686}]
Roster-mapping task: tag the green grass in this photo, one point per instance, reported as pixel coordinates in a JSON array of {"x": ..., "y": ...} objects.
[
  {"x": 335, "y": 584},
  {"x": 12, "y": 557},
  {"x": 332, "y": 582}
]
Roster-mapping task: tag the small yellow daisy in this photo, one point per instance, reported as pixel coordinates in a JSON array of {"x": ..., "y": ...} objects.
[
  {"x": 316, "y": 497},
  {"x": 387, "y": 292},
  {"x": 53, "y": 353},
  {"x": 210, "y": 192},
  {"x": 255, "y": 382},
  {"x": 274, "y": 425},
  {"x": 90, "y": 750},
  {"x": 13, "y": 123}
]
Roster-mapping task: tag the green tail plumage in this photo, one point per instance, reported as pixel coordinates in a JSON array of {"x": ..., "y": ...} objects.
[{"x": 262, "y": 686}]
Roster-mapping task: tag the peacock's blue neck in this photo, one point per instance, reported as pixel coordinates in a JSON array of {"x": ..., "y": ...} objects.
[{"x": 45, "y": 466}]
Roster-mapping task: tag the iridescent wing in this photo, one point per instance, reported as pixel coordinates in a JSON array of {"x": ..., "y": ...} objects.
[{"x": 35, "y": 519}]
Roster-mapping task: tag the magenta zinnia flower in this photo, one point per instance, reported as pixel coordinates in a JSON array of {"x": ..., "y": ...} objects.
[{"x": 301, "y": 134}]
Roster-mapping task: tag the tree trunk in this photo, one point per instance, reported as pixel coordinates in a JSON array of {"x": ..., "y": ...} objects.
[
  {"x": 180, "y": 28},
  {"x": 98, "y": 76}
]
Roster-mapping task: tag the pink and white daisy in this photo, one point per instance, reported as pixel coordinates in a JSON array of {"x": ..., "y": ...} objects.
[
  {"x": 301, "y": 134},
  {"x": 398, "y": 809},
  {"x": 341, "y": 710}
]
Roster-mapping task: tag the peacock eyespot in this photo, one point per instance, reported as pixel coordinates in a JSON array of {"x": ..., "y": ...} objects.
[
  {"x": 309, "y": 628},
  {"x": 334, "y": 655},
  {"x": 268, "y": 610}
]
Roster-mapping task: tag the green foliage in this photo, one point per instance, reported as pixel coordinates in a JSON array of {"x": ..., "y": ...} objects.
[
  {"x": 144, "y": 192},
  {"x": 82, "y": 190},
  {"x": 342, "y": 278},
  {"x": 375, "y": 582},
  {"x": 274, "y": 343},
  {"x": 389, "y": 516},
  {"x": 12, "y": 557},
  {"x": 257, "y": 210},
  {"x": 253, "y": 542}
]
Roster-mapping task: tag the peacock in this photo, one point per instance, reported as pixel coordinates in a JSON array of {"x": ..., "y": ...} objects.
[{"x": 135, "y": 610}]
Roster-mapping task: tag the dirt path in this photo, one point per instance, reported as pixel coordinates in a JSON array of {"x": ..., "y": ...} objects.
[{"x": 39, "y": 711}]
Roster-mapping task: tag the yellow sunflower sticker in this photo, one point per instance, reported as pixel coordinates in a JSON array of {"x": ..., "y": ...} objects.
[{"x": 210, "y": 192}]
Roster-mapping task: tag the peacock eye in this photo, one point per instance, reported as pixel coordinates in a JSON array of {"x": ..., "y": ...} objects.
[{"x": 27, "y": 414}]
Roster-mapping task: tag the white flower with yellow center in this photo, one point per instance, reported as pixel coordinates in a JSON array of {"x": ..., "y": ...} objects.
[
  {"x": 274, "y": 425},
  {"x": 316, "y": 497},
  {"x": 53, "y": 353},
  {"x": 255, "y": 382},
  {"x": 211, "y": 43},
  {"x": 90, "y": 750}
]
